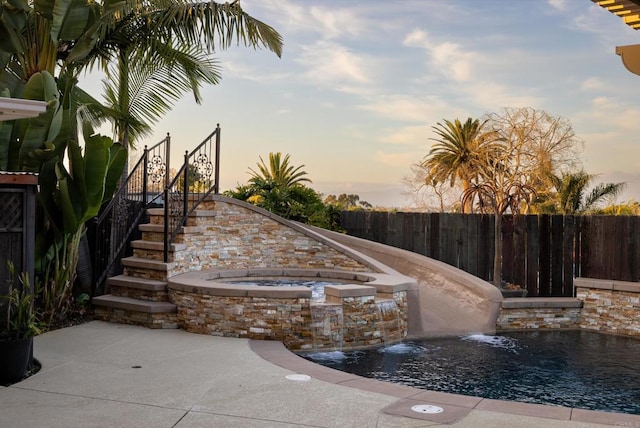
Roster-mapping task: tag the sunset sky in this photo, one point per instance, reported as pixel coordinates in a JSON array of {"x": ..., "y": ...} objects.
[{"x": 361, "y": 83}]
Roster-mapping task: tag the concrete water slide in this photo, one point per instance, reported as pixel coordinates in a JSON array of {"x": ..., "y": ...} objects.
[{"x": 449, "y": 301}]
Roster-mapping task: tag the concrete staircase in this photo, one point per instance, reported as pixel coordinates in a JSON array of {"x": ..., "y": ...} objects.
[{"x": 139, "y": 296}]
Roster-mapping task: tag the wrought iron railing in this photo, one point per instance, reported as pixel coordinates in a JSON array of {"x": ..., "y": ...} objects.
[
  {"x": 112, "y": 230},
  {"x": 198, "y": 177}
]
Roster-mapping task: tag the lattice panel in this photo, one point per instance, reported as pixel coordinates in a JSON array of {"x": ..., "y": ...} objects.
[{"x": 11, "y": 205}]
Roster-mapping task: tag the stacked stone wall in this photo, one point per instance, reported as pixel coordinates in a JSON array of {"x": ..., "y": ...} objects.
[
  {"x": 537, "y": 318},
  {"x": 610, "y": 311},
  {"x": 351, "y": 323},
  {"x": 286, "y": 320},
  {"x": 123, "y": 316},
  {"x": 237, "y": 237}
]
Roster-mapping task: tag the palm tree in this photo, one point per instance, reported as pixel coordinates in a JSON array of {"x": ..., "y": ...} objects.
[
  {"x": 157, "y": 51},
  {"x": 152, "y": 52},
  {"x": 459, "y": 151},
  {"x": 571, "y": 195},
  {"x": 278, "y": 172}
]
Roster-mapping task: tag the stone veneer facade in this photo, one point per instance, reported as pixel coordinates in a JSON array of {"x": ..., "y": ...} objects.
[
  {"x": 235, "y": 235},
  {"x": 355, "y": 322},
  {"x": 604, "y": 306},
  {"x": 609, "y": 306},
  {"x": 538, "y": 313},
  {"x": 353, "y": 315}
]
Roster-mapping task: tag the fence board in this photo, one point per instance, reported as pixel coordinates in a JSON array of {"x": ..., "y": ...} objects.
[
  {"x": 557, "y": 241},
  {"x": 519, "y": 250},
  {"x": 507, "y": 249},
  {"x": 634, "y": 252},
  {"x": 485, "y": 252},
  {"x": 533, "y": 255},
  {"x": 586, "y": 258},
  {"x": 568, "y": 256},
  {"x": 434, "y": 236},
  {"x": 544, "y": 264},
  {"x": 470, "y": 245},
  {"x": 394, "y": 229}
]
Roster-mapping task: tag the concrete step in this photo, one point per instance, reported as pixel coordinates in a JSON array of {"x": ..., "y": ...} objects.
[
  {"x": 136, "y": 305},
  {"x": 157, "y": 246},
  {"x": 154, "y": 250},
  {"x": 137, "y": 283},
  {"x": 125, "y": 310},
  {"x": 159, "y": 212},
  {"x": 138, "y": 288},
  {"x": 159, "y": 228},
  {"x": 140, "y": 263}
]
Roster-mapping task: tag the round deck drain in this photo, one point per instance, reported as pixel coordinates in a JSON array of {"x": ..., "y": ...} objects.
[
  {"x": 298, "y": 377},
  {"x": 426, "y": 408}
]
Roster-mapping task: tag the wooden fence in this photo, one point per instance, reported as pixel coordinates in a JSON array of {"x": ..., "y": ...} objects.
[{"x": 542, "y": 253}]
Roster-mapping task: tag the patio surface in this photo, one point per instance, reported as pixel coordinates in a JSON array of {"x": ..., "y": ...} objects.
[{"x": 109, "y": 375}]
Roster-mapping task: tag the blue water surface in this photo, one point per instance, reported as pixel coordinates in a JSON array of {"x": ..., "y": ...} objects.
[{"x": 566, "y": 368}]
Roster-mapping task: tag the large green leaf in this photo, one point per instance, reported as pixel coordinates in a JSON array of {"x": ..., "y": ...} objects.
[
  {"x": 41, "y": 86},
  {"x": 70, "y": 19},
  {"x": 12, "y": 22},
  {"x": 78, "y": 172},
  {"x": 117, "y": 160},
  {"x": 87, "y": 40},
  {"x": 10, "y": 40},
  {"x": 48, "y": 182},
  {"x": 96, "y": 163},
  {"x": 67, "y": 200}
]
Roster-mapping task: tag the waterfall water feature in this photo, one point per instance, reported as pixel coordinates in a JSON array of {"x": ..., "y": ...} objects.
[
  {"x": 390, "y": 325},
  {"x": 327, "y": 326}
]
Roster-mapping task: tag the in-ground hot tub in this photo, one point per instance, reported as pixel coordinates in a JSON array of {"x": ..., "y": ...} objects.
[{"x": 359, "y": 309}]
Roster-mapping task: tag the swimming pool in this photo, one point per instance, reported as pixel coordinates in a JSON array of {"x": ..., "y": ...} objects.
[{"x": 566, "y": 368}]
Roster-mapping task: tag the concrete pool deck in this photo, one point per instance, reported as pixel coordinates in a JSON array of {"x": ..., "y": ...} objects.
[{"x": 109, "y": 375}]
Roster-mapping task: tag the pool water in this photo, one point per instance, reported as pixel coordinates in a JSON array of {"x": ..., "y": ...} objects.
[
  {"x": 566, "y": 368},
  {"x": 317, "y": 287}
]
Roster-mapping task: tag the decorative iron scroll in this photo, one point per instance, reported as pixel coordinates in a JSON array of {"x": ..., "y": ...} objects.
[{"x": 156, "y": 169}]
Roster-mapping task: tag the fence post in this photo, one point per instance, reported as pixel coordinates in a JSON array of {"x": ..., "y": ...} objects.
[
  {"x": 185, "y": 187},
  {"x": 216, "y": 185},
  {"x": 166, "y": 225},
  {"x": 167, "y": 156},
  {"x": 145, "y": 175}
]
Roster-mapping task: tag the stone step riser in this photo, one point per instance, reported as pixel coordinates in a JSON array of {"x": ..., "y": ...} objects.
[
  {"x": 152, "y": 236},
  {"x": 157, "y": 255},
  {"x": 159, "y": 221},
  {"x": 134, "y": 293},
  {"x": 138, "y": 272},
  {"x": 125, "y": 316}
]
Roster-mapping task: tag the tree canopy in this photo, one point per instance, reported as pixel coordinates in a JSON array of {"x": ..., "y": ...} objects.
[{"x": 278, "y": 187}]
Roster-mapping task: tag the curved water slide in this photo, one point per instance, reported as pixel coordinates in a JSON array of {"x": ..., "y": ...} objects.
[{"x": 448, "y": 301}]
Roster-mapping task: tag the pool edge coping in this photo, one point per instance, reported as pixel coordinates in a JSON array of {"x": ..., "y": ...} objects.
[{"x": 455, "y": 404}]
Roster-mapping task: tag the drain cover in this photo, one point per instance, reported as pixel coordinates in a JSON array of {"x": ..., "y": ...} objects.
[
  {"x": 426, "y": 408},
  {"x": 298, "y": 377}
]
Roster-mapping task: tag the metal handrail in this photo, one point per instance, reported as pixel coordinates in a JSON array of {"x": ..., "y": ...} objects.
[
  {"x": 191, "y": 185},
  {"x": 120, "y": 218}
]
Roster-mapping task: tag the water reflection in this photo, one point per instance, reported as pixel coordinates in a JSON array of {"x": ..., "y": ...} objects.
[{"x": 568, "y": 368}]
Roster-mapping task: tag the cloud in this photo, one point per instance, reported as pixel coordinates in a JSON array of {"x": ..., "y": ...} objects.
[
  {"x": 593, "y": 83},
  {"x": 407, "y": 107},
  {"x": 334, "y": 23},
  {"x": 448, "y": 57},
  {"x": 296, "y": 18},
  {"x": 407, "y": 135},
  {"x": 612, "y": 114},
  {"x": 560, "y": 5},
  {"x": 334, "y": 65},
  {"x": 403, "y": 159}
]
